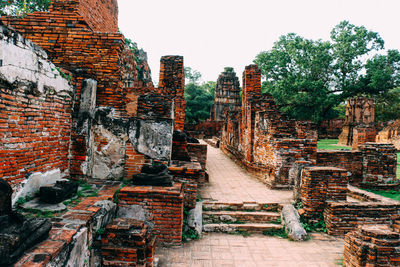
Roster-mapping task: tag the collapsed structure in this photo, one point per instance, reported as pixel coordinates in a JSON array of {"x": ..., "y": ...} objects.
[{"x": 76, "y": 102}]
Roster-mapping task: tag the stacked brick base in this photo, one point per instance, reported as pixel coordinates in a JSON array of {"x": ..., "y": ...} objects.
[
  {"x": 320, "y": 184},
  {"x": 164, "y": 205},
  {"x": 375, "y": 245},
  {"x": 127, "y": 242}
]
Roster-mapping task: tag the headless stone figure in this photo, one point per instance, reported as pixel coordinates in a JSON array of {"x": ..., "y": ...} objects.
[{"x": 16, "y": 232}]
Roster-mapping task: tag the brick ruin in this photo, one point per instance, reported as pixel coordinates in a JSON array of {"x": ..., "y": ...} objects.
[
  {"x": 359, "y": 126},
  {"x": 227, "y": 94},
  {"x": 76, "y": 103},
  {"x": 262, "y": 139},
  {"x": 390, "y": 134}
]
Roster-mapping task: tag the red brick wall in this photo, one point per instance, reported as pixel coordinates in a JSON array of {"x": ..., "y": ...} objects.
[
  {"x": 351, "y": 160},
  {"x": 204, "y": 129},
  {"x": 172, "y": 83},
  {"x": 199, "y": 151},
  {"x": 71, "y": 44},
  {"x": 322, "y": 184},
  {"x": 330, "y": 129},
  {"x": 165, "y": 204},
  {"x": 341, "y": 218},
  {"x": 100, "y": 15},
  {"x": 35, "y": 133},
  {"x": 379, "y": 163},
  {"x": 134, "y": 161}
]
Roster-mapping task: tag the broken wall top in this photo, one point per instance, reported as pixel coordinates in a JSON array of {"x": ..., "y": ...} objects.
[{"x": 100, "y": 15}]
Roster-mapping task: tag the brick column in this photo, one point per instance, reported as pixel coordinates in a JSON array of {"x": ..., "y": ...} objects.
[
  {"x": 172, "y": 83},
  {"x": 251, "y": 93},
  {"x": 321, "y": 184}
]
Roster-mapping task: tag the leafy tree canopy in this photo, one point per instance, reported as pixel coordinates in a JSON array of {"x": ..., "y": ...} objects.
[
  {"x": 310, "y": 78},
  {"x": 22, "y": 7},
  {"x": 199, "y": 97}
]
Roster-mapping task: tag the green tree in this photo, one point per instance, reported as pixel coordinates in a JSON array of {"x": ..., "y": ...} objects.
[
  {"x": 199, "y": 97},
  {"x": 297, "y": 73},
  {"x": 309, "y": 78},
  {"x": 22, "y": 7}
]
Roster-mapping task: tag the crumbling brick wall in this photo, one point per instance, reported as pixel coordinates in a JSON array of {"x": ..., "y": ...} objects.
[
  {"x": 163, "y": 205},
  {"x": 100, "y": 15},
  {"x": 35, "y": 111},
  {"x": 375, "y": 245},
  {"x": 263, "y": 140},
  {"x": 379, "y": 163},
  {"x": 343, "y": 217},
  {"x": 320, "y": 185},
  {"x": 390, "y": 134},
  {"x": 351, "y": 160},
  {"x": 330, "y": 129}
]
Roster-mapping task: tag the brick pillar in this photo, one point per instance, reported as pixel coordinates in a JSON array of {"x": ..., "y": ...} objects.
[
  {"x": 172, "y": 83},
  {"x": 379, "y": 163},
  {"x": 251, "y": 93},
  {"x": 321, "y": 184}
]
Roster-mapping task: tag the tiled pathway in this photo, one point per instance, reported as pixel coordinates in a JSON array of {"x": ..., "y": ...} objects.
[{"x": 229, "y": 183}]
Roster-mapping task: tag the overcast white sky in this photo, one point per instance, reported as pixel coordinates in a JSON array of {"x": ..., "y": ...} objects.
[{"x": 213, "y": 34}]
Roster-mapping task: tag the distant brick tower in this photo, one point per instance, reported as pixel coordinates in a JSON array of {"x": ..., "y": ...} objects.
[
  {"x": 227, "y": 94},
  {"x": 359, "y": 126}
]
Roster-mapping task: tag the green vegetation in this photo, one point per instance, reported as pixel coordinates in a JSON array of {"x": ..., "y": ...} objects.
[
  {"x": 20, "y": 8},
  {"x": 243, "y": 233},
  {"x": 330, "y": 144},
  {"x": 313, "y": 225},
  {"x": 310, "y": 79},
  {"x": 199, "y": 97},
  {"x": 276, "y": 232},
  {"x": 389, "y": 194}
]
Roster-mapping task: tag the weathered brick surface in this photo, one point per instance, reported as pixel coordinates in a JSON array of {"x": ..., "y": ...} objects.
[
  {"x": 127, "y": 242},
  {"x": 359, "y": 125},
  {"x": 262, "y": 139},
  {"x": 379, "y": 163},
  {"x": 35, "y": 111},
  {"x": 191, "y": 175},
  {"x": 204, "y": 129},
  {"x": 84, "y": 219},
  {"x": 372, "y": 245},
  {"x": 198, "y": 151},
  {"x": 343, "y": 217},
  {"x": 165, "y": 204},
  {"x": 351, "y": 160},
  {"x": 227, "y": 94},
  {"x": 322, "y": 184},
  {"x": 330, "y": 129},
  {"x": 101, "y": 16},
  {"x": 390, "y": 134},
  {"x": 172, "y": 84}
]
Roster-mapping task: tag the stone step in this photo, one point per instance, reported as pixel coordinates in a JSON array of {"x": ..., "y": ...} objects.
[
  {"x": 240, "y": 216},
  {"x": 242, "y": 206},
  {"x": 238, "y": 228}
]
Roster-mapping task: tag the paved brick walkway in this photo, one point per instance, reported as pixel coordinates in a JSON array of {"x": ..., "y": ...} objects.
[
  {"x": 223, "y": 250},
  {"x": 229, "y": 183}
]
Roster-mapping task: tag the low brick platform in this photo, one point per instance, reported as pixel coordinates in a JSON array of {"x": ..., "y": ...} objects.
[
  {"x": 72, "y": 235},
  {"x": 372, "y": 245},
  {"x": 191, "y": 175},
  {"x": 343, "y": 217},
  {"x": 164, "y": 206},
  {"x": 127, "y": 242},
  {"x": 321, "y": 184}
]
